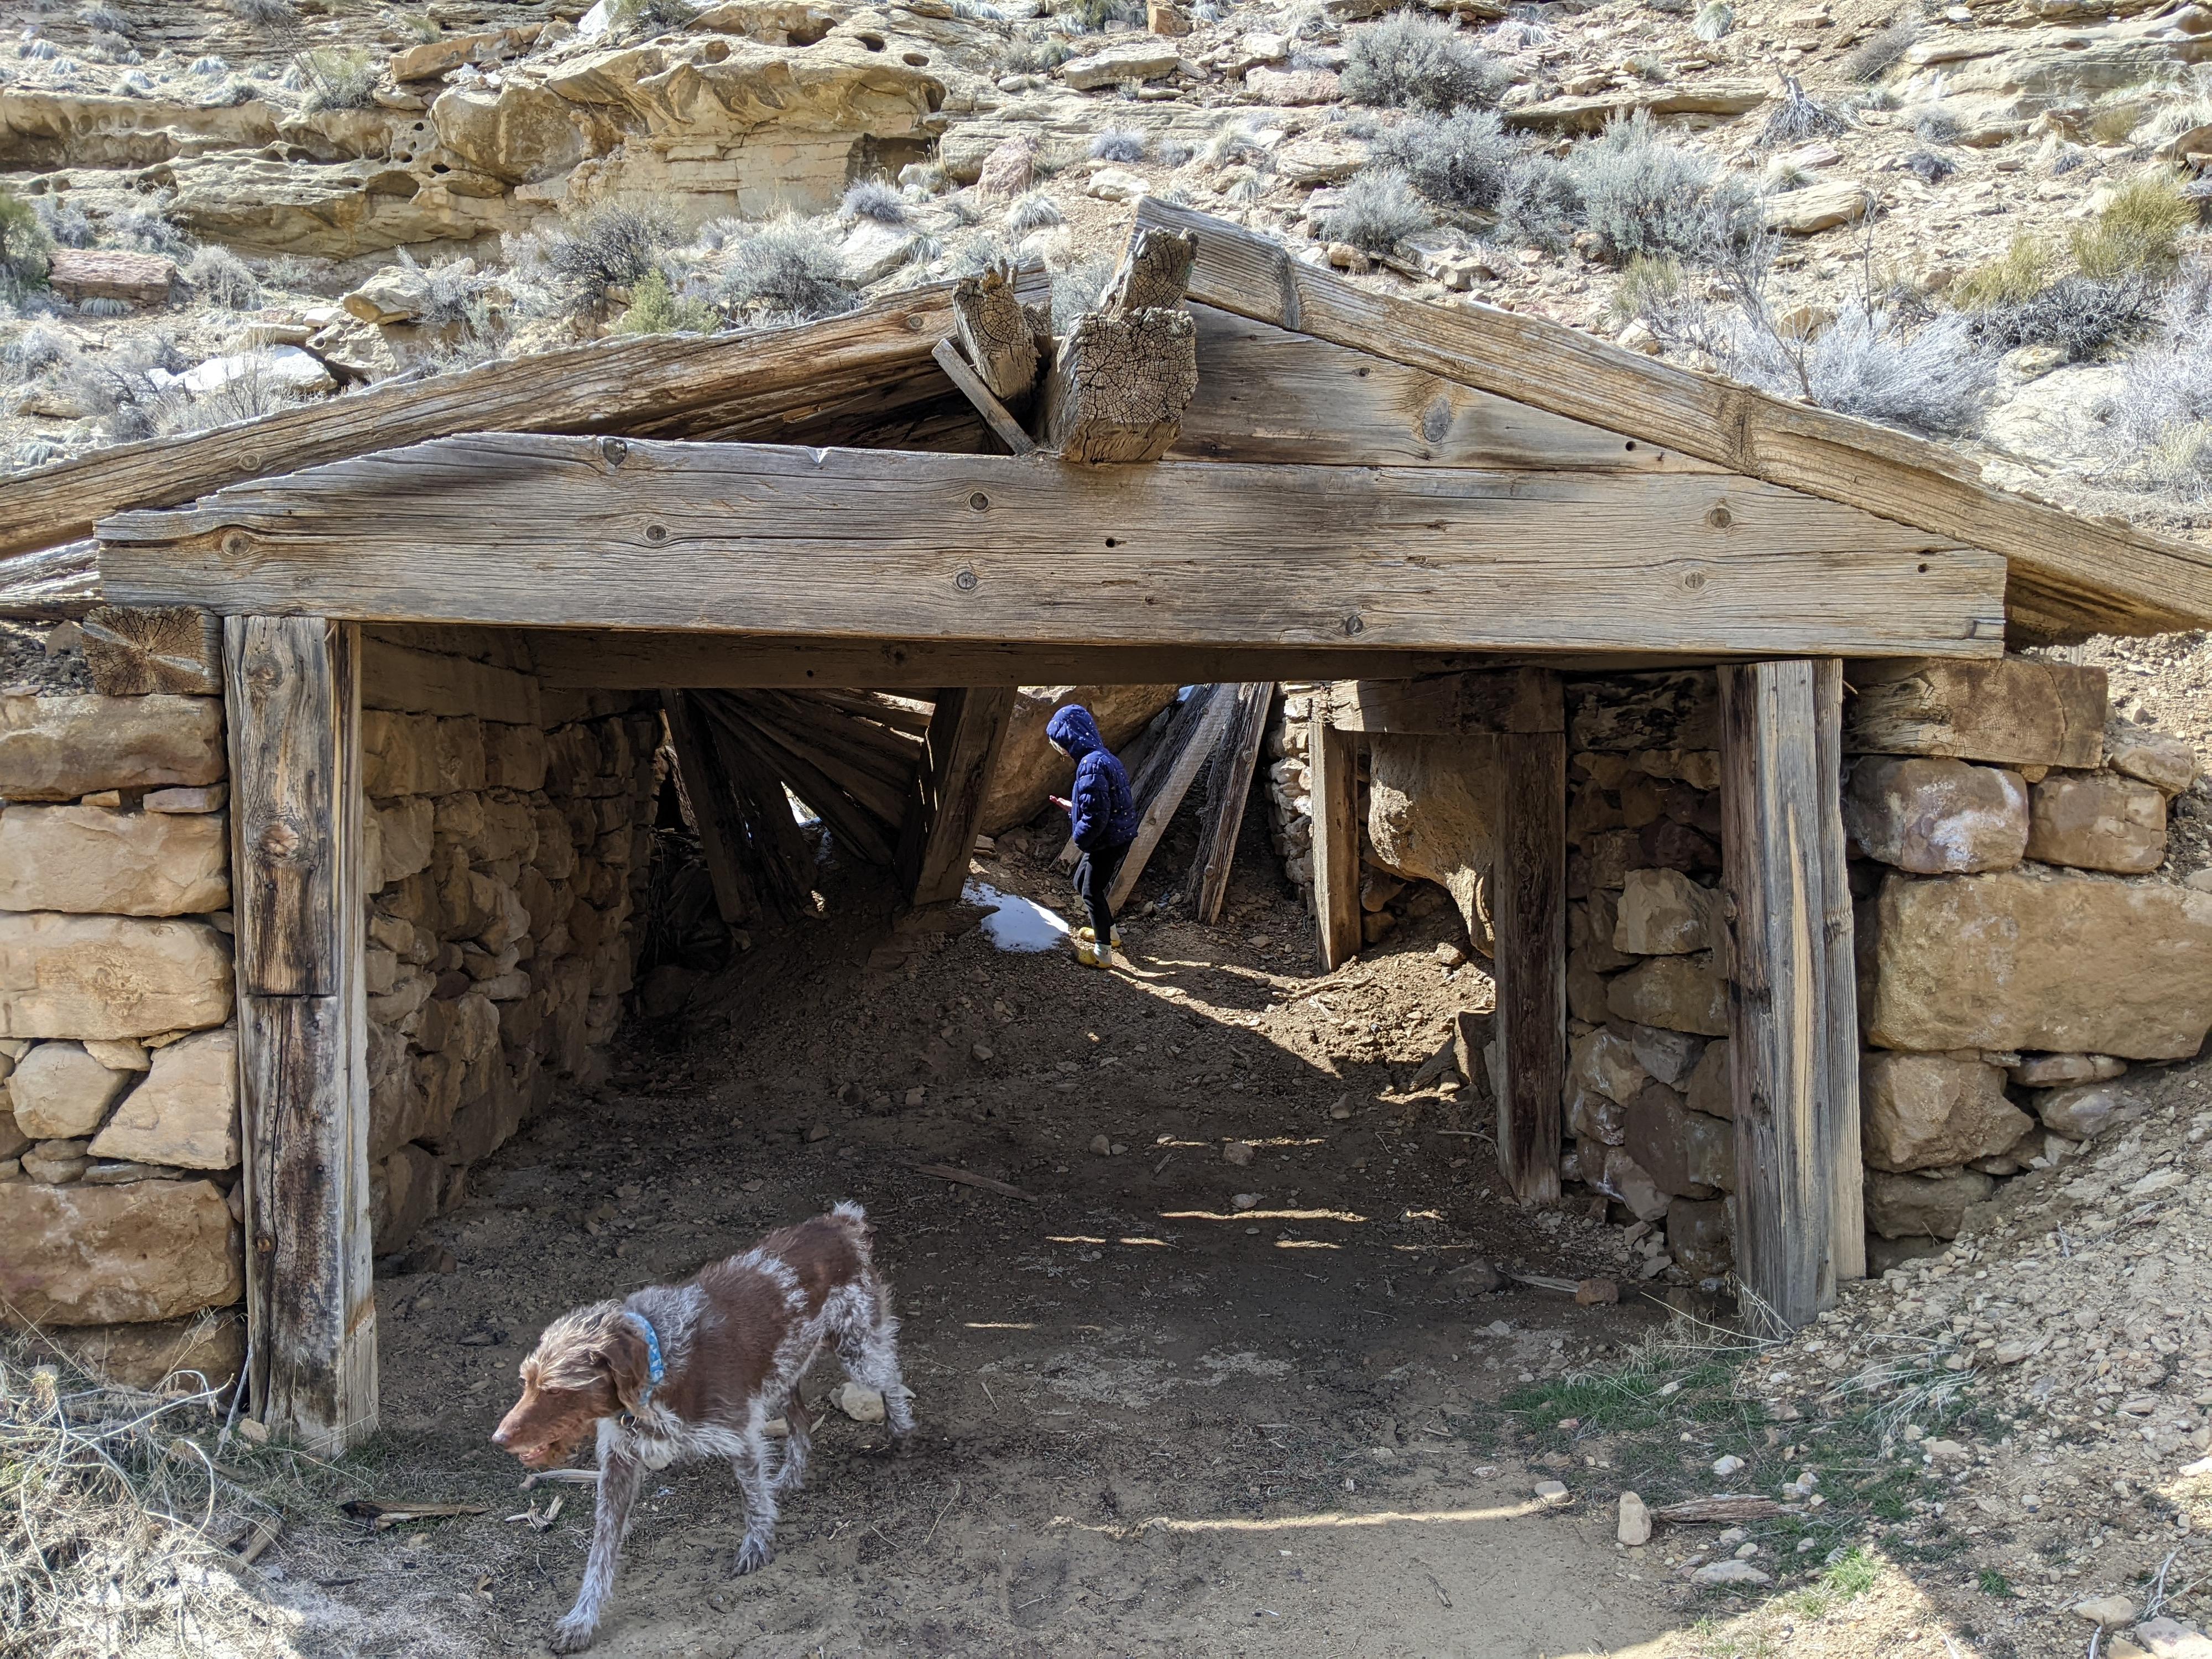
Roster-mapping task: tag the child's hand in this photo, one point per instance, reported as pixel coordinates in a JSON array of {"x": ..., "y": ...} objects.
[{"x": 1061, "y": 802}]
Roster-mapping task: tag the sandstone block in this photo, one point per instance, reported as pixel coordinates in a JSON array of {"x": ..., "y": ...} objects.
[
  {"x": 402, "y": 1195},
  {"x": 188, "y": 798},
  {"x": 1936, "y": 817},
  {"x": 2097, "y": 821},
  {"x": 1925, "y": 1111},
  {"x": 398, "y": 753},
  {"x": 1613, "y": 1172},
  {"x": 102, "y": 1256},
  {"x": 110, "y": 977},
  {"x": 1662, "y": 912},
  {"x": 57, "y": 1162},
  {"x": 1595, "y": 1117},
  {"x": 2089, "y": 1110},
  {"x": 1141, "y": 60},
  {"x": 404, "y": 829},
  {"x": 1677, "y": 994},
  {"x": 1906, "y": 1206},
  {"x": 185, "y": 1113},
  {"x": 514, "y": 756},
  {"x": 2057, "y": 1071},
  {"x": 204, "y": 1351},
  {"x": 1585, "y": 990},
  {"x": 2030, "y": 959},
  {"x": 90, "y": 859},
  {"x": 1431, "y": 813},
  {"x": 1670, "y": 1056},
  {"x": 1700, "y": 1236},
  {"x": 14, "y": 1142},
  {"x": 1607, "y": 1063},
  {"x": 1686, "y": 1152},
  {"x": 2156, "y": 758},
  {"x": 59, "y": 1090},
  {"x": 1709, "y": 1089},
  {"x": 2011, "y": 710},
  {"x": 59, "y": 748}
]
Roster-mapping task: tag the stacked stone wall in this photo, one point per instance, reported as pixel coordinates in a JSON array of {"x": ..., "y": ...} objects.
[{"x": 506, "y": 846}]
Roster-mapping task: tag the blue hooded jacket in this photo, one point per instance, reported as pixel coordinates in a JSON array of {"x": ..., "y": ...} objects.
[{"x": 1105, "y": 813}]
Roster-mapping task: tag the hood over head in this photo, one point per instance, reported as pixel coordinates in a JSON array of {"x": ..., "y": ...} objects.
[{"x": 1074, "y": 730}]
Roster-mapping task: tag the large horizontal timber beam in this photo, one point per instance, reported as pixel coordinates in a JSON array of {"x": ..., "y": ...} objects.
[
  {"x": 546, "y": 531},
  {"x": 2070, "y": 572}
]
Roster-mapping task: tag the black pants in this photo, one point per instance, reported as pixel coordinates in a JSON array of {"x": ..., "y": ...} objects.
[{"x": 1094, "y": 879}]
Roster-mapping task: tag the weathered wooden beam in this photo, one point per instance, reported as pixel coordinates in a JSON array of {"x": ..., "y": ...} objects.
[
  {"x": 1167, "y": 776},
  {"x": 995, "y": 414},
  {"x": 857, "y": 824},
  {"x": 760, "y": 539},
  {"x": 781, "y": 851},
  {"x": 716, "y": 813},
  {"x": 135, "y": 653},
  {"x": 999, "y": 334},
  {"x": 1153, "y": 272},
  {"x": 1451, "y": 705},
  {"x": 1122, "y": 376},
  {"x": 1333, "y": 783},
  {"x": 2071, "y": 571},
  {"x": 294, "y": 734},
  {"x": 1774, "y": 798},
  {"x": 938, "y": 836},
  {"x": 1841, "y": 1151},
  {"x": 48, "y": 584},
  {"x": 1235, "y": 762},
  {"x": 1529, "y": 910}
]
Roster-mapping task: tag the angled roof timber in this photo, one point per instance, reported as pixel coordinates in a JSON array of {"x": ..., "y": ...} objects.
[
  {"x": 774, "y": 542},
  {"x": 2069, "y": 574}
]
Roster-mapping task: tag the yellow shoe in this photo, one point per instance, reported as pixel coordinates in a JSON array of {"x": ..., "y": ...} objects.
[
  {"x": 1091, "y": 933},
  {"x": 1088, "y": 953}
]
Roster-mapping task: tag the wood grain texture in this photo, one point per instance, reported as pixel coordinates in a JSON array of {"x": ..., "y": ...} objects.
[
  {"x": 294, "y": 736},
  {"x": 1774, "y": 798},
  {"x": 1118, "y": 385},
  {"x": 1841, "y": 1151},
  {"x": 135, "y": 653},
  {"x": 1333, "y": 782},
  {"x": 995, "y": 414},
  {"x": 757, "y": 539},
  {"x": 1166, "y": 776},
  {"x": 2069, "y": 572},
  {"x": 294, "y": 720},
  {"x": 1530, "y": 915},
  {"x": 1235, "y": 762},
  {"x": 1451, "y": 705},
  {"x": 866, "y": 826},
  {"x": 1266, "y": 394},
  {"x": 715, "y": 813},
  {"x": 661, "y": 385},
  {"x": 394, "y": 676},
  {"x": 999, "y": 334},
  {"x": 938, "y": 836},
  {"x": 46, "y": 584}
]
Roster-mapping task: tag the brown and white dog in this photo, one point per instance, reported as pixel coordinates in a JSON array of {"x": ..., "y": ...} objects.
[{"x": 698, "y": 1369}]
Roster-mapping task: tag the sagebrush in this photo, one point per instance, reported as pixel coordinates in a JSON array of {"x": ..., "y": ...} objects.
[
  {"x": 1375, "y": 210},
  {"x": 1408, "y": 60},
  {"x": 1640, "y": 194}
]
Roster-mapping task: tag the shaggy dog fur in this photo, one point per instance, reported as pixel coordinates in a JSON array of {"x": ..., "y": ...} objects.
[{"x": 733, "y": 1343}]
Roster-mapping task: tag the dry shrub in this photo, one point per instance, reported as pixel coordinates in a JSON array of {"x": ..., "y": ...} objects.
[
  {"x": 1411, "y": 61},
  {"x": 1643, "y": 195},
  {"x": 1376, "y": 209},
  {"x": 788, "y": 269},
  {"x": 2157, "y": 431},
  {"x": 1881, "y": 51},
  {"x": 2139, "y": 230},
  {"x": 2021, "y": 273}
]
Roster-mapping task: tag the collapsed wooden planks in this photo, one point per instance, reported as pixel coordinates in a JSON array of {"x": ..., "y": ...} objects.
[{"x": 1234, "y": 761}]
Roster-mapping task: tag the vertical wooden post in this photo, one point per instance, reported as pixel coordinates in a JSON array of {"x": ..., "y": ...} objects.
[
  {"x": 938, "y": 836},
  {"x": 1795, "y": 1085},
  {"x": 1529, "y": 908},
  {"x": 1239, "y": 757},
  {"x": 715, "y": 810},
  {"x": 294, "y": 711},
  {"x": 1332, "y": 784},
  {"x": 1843, "y": 1157}
]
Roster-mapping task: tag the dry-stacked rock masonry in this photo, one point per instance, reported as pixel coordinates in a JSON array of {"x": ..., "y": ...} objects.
[
  {"x": 2017, "y": 951},
  {"x": 507, "y": 846}
]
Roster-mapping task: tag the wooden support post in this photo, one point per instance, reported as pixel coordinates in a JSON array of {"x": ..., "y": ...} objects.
[
  {"x": 1795, "y": 1094},
  {"x": 294, "y": 717},
  {"x": 1167, "y": 777},
  {"x": 715, "y": 813},
  {"x": 1531, "y": 964},
  {"x": 939, "y": 835},
  {"x": 1239, "y": 757},
  {"x": 1333, "y": 785},
  {"x": 995, "y": 414}
]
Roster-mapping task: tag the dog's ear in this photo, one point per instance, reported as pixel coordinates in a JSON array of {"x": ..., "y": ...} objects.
[{"x": 629, "y": 1368}]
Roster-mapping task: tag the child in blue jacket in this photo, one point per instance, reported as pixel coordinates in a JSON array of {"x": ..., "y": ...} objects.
[{"x": 1103, "y": 814}]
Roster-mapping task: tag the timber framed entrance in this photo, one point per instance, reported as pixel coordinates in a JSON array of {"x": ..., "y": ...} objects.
[{"x": 1436, "y": 511}]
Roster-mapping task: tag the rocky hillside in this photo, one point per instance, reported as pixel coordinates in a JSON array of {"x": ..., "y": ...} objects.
[{"x": 1982, "y": 222}]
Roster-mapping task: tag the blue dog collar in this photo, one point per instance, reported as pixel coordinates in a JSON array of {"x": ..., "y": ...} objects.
[{"x": 655, "y": 1370}]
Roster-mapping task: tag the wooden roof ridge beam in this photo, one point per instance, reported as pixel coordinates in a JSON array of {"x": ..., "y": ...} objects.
[
  {"x": 607, "y": 385},
  {"x": 545, "y": 532},
  {"x": 1122, "y": 375},
  {"x": 2068, "y": 571}
]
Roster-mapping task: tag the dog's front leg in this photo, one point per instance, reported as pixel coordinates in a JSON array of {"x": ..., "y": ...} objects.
[{"x": 618, "y": 1477}]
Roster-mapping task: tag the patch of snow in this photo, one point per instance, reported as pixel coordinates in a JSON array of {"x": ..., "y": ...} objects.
[{"x": 1015, "y": 923}]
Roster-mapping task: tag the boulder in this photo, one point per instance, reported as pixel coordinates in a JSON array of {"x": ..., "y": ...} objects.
[
  {"x": 1141, "y": 60},
  {"x": 1700, "y": 1236},
  {"x": 1670, "y": 1056},
  {"x": 110, "y": 977},
  {"x": 1936, "y": 817},
  {"x": 1925, "y": 1111},
  {"x": 1028, "y": 769},
  {"x": 1605, "y": 1064},
  {"x": 1618, "y": 1175},
  {"x": 2057, "y": 1071},
  {"x": 14, "y": 1142},
  {"x": 1662, "y": 912},
  {"x": 2086, "y": 1111},
  {"x": 2011, "y": 710},
  {"x": 59, "y": 748},
  {"x": 2156, "y": 758},
  {"x": 2097, "y": 821},
  {"x": 1685, "y": 1153},
  {"x": 60, "y": 1090},
  {"x": 86, "y": 273},
  {"x": 872, "y": 250},
  {"x": 1595, "y": 1117},
  {"x": 1677, "y": 994},
  {"x": 1709, "y": 1089},
  {"x": 1292, "y": 87},
  {"x": 1816, "y": 208},
  {"x": 1906, "y": 1206},
  {"x": 285, "y": 369},
  {"x": 93, "y": 860},
  {"x": 103, "y": 1255},
  {"x": 2032, "y": 959},
  {"x": 185, "y": 1113},
  {"x": 1432, "y": 814},
  {"x": 397, "y": 293}
]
